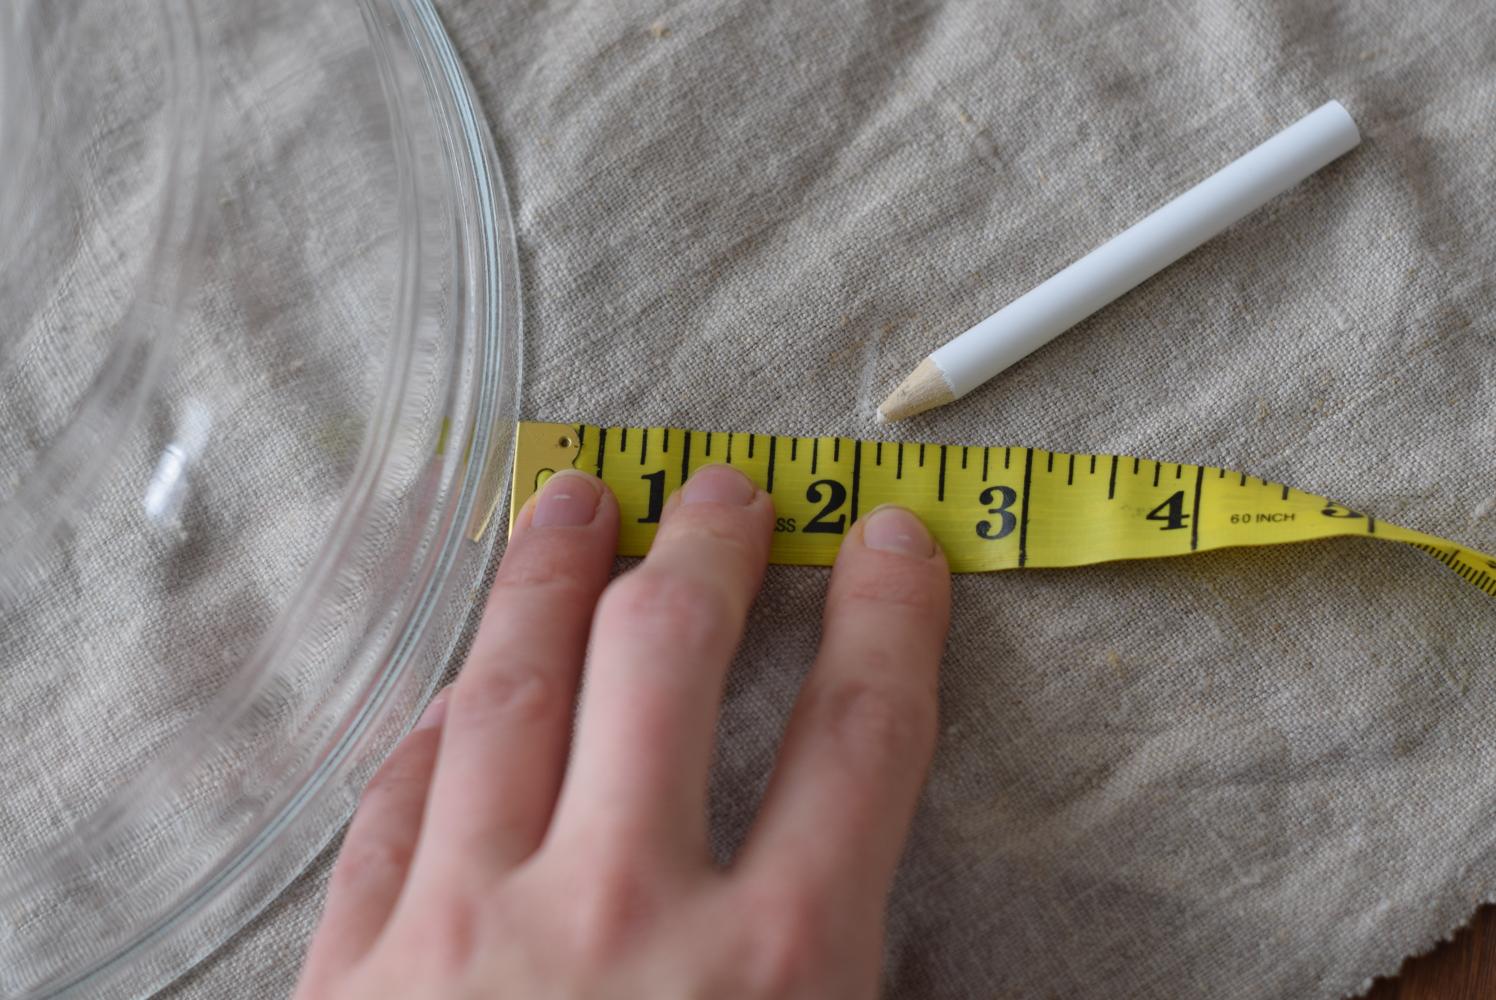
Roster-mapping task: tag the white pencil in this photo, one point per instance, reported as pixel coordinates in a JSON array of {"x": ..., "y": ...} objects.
[{"x": 1117, "y": 266}]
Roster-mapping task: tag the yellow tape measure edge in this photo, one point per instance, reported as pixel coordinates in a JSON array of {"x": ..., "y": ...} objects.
[{"x": 991, "y": 508}]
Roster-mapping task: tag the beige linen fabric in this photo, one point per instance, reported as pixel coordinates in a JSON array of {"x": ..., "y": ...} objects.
[{"x": 1253, "y": 774}]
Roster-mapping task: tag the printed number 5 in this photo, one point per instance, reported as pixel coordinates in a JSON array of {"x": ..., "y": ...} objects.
[{"x": 1007, "y": 520}]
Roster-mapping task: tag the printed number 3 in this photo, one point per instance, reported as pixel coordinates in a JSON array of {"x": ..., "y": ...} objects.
[{"x": 1008, "y": 521}]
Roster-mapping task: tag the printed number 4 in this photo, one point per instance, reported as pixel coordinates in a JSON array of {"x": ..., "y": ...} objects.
[{"x": 1171, "y": 512}]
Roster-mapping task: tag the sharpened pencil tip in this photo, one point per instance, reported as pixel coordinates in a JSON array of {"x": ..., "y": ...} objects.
[{"x": 924, "y": 389}]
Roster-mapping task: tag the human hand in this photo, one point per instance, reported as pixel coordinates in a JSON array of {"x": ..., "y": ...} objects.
[{"x": 496, "y": 854}]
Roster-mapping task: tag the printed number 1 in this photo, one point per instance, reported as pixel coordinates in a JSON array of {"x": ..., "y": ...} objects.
[{"x": 656, "y": 481}]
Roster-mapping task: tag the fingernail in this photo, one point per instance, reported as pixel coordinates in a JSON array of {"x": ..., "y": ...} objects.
[
  {"x": 567, "y": 500},
  {"x": 435, "y": 712},
  {"x": 719, "y": 484},
  {"x": 894, "y": 529}
]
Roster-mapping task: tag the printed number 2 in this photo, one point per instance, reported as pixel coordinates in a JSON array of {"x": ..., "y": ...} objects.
[
  {"x": 656, "y": 481},
  {"x": 1007, "y": 521},
  {"x": 836, "y": 496},
  {"x": 1171, "y": 512}
]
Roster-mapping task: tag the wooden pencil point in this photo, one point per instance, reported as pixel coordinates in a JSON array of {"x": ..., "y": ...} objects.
[{"x": 924, "y": 389}]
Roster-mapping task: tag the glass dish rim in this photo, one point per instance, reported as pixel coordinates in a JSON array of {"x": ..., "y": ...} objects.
[{"x": 494, "y": 307}]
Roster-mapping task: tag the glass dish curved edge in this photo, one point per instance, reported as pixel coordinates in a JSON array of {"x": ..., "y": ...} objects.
[
  {"x": 307, "y": 819},
  {"x": 66, "y": 472}
]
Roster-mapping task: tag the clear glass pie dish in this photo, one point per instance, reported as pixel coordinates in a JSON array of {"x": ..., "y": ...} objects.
[{"x": 259, "y": 335}]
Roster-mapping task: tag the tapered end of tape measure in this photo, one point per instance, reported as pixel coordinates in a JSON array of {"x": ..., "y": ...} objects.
[{"x": 540, "y": 451}]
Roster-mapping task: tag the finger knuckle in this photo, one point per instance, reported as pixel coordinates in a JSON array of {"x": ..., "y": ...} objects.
[
  {"x": 789, "y": 947},
  {"x": 402, "y": 777},
  {"x": 449, "y": 934},
  {"x": 507, "y": 693},
  {"x": 728, "y": 532},
  {"x": 650, "y": 599},
  {"x": 609, "y": 911},
  {"x": 916, "y": 592},
  {"x": 366, "y": 861},
  {"x": 880, "y": 725},
  {"x": 551, "y": 573}
]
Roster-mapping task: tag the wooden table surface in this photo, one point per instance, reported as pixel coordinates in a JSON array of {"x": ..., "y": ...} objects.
[{"x": 1461, "y": 969}]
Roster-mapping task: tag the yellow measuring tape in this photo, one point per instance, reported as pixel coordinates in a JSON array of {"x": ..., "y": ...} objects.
[{"x": 991, "y": 508}]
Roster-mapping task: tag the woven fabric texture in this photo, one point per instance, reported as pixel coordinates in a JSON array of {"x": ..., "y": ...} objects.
[{"x": 1245, "y": 775}]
